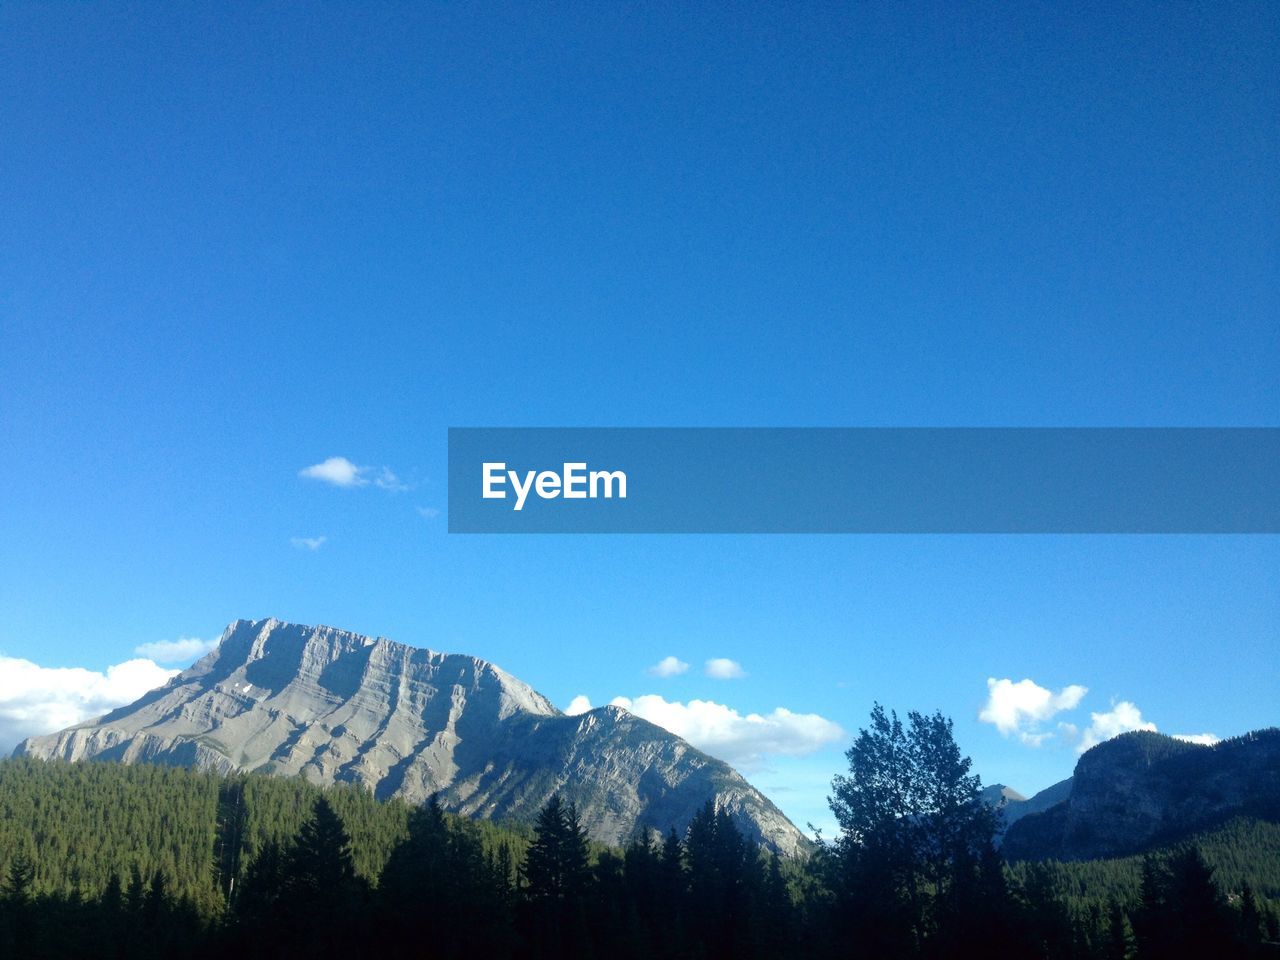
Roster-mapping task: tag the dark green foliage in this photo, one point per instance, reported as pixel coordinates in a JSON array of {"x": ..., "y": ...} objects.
[
  {"x": 300, "y": 902},
  {"x": 914, "y": 870},
  {"x": 81, "y": 822},
  {"x": 122, "y": 862},
  {"x": 1173, "y": 905},
  {"x": 555, "y": 867},
  {"x": 557, "y": 882},
  {"x": 1242, "y": 853},
  {"x": 1182, "y": 912},
  {"x": 441, "y": 885}
]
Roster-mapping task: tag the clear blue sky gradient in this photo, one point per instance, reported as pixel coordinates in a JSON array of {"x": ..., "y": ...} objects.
[{"x": 235, "y": 241}]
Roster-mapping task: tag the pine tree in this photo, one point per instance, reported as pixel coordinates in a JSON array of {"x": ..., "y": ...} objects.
[
  {"x": 20, "y": 880},
  {"x": 319, "y": 889},
  {"x": 1120, "y": 945},
  {"x": 556, "y": 865},
  {"x": 17, "y": 909},
  {"x": 556, "y": 878},
  {"x": 440, "y": 878},
  {"x": 1198, "y": 910},
  {"x": 1250, "y": 918}
]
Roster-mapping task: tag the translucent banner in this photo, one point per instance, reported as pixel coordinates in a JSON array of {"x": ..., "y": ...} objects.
[{"x": 864, "y": 480}]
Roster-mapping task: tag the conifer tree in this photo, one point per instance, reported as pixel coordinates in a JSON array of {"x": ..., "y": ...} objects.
[
  {"x": 1120, "y": 945},
  {"x": 1250, "y": 919},
  {"x": 319, "y": 889}
]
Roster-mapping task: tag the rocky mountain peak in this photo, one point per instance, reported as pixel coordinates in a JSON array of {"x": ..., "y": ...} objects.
[{"x": 336, "y": 706}]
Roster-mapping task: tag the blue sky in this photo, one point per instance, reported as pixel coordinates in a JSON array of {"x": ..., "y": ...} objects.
[{"x": 238, "y": 242}]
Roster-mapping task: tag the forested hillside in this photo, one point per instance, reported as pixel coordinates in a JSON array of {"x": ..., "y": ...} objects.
[{"x": 106, "y": 860}]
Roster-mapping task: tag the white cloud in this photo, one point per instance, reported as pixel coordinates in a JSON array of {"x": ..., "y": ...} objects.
[
  {"x": 338, "y": 471},
  {"x": 722, "y": 668},
  {"x": 579, "y": 704},
  {"x": 1204, "y": 739},
  {"x": 725, "y": 733},
  {"x": 1121, "y": 718},
  {"x": 36, "y": 699},
  {"x": 308, "y": 543},
  {"x": 341, "y": 472},
  {"x": 1018, "y": 709},
  {"x": 668, "y": 667},
  {"x": 173, "y": 651}
]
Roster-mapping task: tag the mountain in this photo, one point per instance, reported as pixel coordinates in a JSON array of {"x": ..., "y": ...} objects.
[
  {"x": 334, "y": 706},
  {"x": 1014, "y": 806},
  {"x": 999, "y": 795},
  {"x": 1141, "y": 790}
]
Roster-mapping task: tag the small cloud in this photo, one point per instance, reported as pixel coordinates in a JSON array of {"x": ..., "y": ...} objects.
[
  {"x": 428, "y": 513},
  {"x": 1204, "y": 739},
  {"x": 722, "y": 668},
  {"x": 183, "y": 649},
  {"x": 338, "y": 471},
  {"x": 389, "y": 481},
  {"x": 308, "y": 543},
  {"x": 668, "y": 667},
  {"x": 579, "y": 704},
  {"x": 341, "y": 472},
  {"x": 1018, "y": 709},
  {"x": 36, "y": 699},
  {"x": 1121, "y": 718},
  {"x": 723, "y": 732}
]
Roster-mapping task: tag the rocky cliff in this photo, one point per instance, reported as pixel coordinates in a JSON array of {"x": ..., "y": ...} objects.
[
  {"x": 1143, "y": 789},
  {"x": 334, "y": 706}
]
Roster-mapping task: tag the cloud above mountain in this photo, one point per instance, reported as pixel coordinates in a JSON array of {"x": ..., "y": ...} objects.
[
  {"x": 742, "y": 740},
  {"x": 1019, "y": 709},
  {"x": 1123, "y": 717},
  {"x": 1203, "y": 739},
  {"x": 36, "y": 699}
]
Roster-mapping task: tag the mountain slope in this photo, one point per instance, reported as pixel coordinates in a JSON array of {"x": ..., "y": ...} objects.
[
  {"x": 1143, "y": 789},
  {"x": 335, "y": 706},
  {"x": 1013, "y": 806}
]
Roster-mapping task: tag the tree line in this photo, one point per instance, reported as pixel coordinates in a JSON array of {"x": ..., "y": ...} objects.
[{"x": 101, "y": 860}]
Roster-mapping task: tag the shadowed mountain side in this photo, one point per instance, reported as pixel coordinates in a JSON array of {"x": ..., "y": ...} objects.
[{"x": 1143, "y": 789}]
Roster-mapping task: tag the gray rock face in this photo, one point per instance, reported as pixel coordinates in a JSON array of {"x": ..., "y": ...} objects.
[
  {"x": 335, "y": 706},
  {"x": 1013, "y": 806},
  {"x": 1143, "y": 789}
]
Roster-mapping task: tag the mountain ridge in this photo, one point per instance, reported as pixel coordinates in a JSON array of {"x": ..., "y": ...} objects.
[
  {"x": 1141, "y": 789},
  {"x": 336, "y": 706}
]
